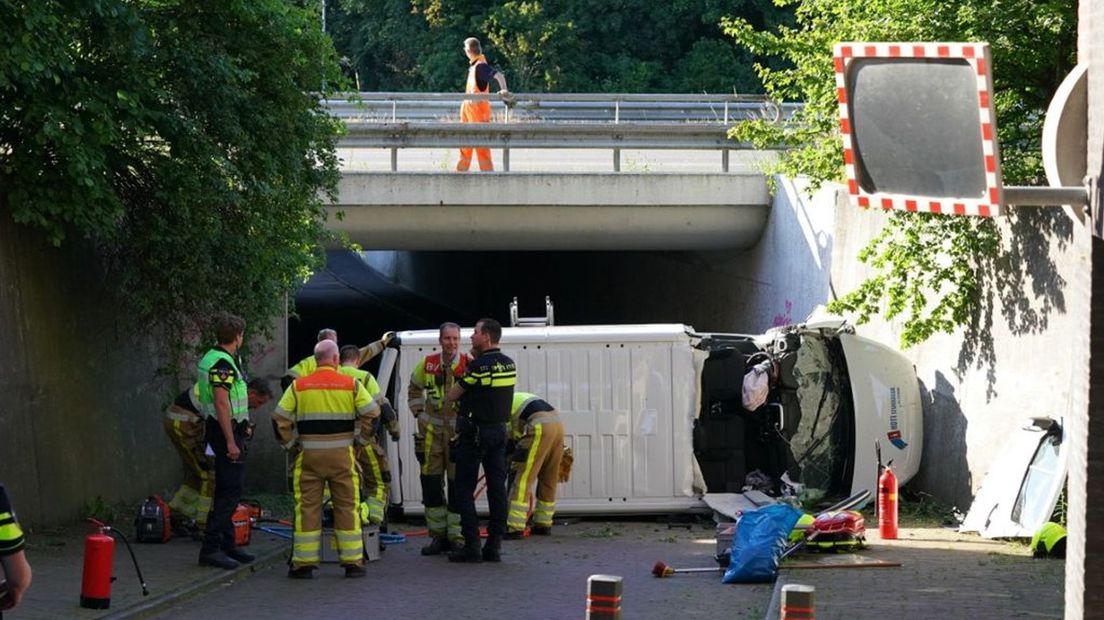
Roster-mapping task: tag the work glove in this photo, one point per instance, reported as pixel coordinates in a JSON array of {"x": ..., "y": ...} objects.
[{"x": 387, "y": 338}]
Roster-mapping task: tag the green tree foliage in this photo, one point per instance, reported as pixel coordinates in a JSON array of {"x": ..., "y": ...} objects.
[
  {"x": 928, "y": 269},
  {"x": 551, "y": 45},
  {"x": 185, "y": 140}
]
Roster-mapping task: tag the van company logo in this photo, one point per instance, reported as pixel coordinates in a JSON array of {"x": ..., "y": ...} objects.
[{"x": 894, "y": 435}]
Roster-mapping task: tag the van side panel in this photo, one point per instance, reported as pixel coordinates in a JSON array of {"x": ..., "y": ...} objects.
[{"x": 627, "y": 408}]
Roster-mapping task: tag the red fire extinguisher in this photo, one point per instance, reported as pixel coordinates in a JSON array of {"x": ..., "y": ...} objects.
[
  {"x": 887, "y": 503},
  {"x": 99, "y": 556}
]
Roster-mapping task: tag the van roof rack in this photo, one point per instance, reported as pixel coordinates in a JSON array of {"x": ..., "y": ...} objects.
[{"x": 532, "y": 321}]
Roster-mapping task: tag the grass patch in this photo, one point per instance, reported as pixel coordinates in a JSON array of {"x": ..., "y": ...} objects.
[{"x": 919, "y": 509}]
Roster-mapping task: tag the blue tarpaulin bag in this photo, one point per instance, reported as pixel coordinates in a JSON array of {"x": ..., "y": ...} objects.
[{"x": 759, "y": 542}]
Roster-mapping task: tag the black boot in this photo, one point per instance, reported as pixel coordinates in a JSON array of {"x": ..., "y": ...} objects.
[
  {"x": 467, "y": 553},
  {"x": 437, "y": 546},
  {"x": 492, "y": 549},
  {"x": 239, "y": 555}
]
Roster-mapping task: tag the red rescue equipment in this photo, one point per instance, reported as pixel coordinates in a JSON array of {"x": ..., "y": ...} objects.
[{"x": 887, "y": 504}]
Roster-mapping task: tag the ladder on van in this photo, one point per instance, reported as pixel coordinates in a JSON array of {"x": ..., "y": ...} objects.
[{"x": 532, "y": 321}]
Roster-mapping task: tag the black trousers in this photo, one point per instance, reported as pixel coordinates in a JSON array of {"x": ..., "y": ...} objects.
[
  {"x": 481, "y": 445},
  {"x": 229, "y": 483}
]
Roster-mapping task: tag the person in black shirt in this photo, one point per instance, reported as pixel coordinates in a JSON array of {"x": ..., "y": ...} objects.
[{"x": 486, "y": 394}]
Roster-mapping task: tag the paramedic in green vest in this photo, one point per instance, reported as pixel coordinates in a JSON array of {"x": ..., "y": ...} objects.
[{"x": 224, "y": 402}]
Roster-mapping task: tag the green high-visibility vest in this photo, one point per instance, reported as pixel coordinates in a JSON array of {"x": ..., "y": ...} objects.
[{"x": 239, "y": 398}]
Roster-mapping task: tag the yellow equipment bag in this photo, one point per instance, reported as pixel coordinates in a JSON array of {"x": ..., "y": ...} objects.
[{"x": 565, "y": 464}]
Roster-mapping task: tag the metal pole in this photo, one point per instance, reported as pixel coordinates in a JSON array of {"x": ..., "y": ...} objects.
[
  {"x": 506, "y": 160},
  {"x": 617, "y": 160},
  {"x": 394, "y": 160},
  {"x": 724, "y": 160},
  {"x": 1046, "y": 196}
]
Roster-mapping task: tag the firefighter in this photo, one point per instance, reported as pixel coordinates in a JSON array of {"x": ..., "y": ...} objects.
[
  {"x": 480, "y": 75},
  {"x": 15, "y": 571},
  {"x": 431, "y": 380},
  {"x": 186, "y": 430},
  {"x": 371, "y": 457},
  {"x": 536, "y": 428},
  {"x": 223, "y": 400},
  {"x": 486, "y": 393},
  {"x": 319, "y": 414},
  {"x": 307, "y": 365}
]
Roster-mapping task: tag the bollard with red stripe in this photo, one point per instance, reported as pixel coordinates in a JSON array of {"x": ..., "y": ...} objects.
[
  {"x": 797, "y": 602},
  {"x": 603, "y": 597}
]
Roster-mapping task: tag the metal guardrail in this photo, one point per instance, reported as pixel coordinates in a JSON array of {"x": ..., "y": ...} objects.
[
  {"x": 683, "y": 136},
  {"x": 559, "y": 107},
  {"x": 552, "y": 121}
]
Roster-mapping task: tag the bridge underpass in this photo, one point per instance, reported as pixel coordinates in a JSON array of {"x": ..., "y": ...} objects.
[{"x": 608, "y": 247}]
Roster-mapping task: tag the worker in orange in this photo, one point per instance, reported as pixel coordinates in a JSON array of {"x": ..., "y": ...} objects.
[
  {"x": 320, "y": 414},
  {"x": 480, "y": 74}
]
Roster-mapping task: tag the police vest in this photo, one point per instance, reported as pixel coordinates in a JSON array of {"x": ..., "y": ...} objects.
[{"x": 239, "y": 398}]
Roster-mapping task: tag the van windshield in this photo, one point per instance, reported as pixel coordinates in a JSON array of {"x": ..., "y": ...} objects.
[{"x": 821, "y": 441}]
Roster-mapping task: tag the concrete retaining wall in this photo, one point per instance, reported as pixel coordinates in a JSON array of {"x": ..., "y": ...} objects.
[
  {"x": 81, "y": 407},
  {"x": 1012, "y": 362}
]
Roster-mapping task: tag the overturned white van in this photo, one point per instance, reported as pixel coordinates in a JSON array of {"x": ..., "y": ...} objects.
[{"x": 653, "y": 413}]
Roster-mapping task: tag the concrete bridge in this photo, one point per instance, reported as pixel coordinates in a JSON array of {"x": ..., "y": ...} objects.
[{"x": 553, "y": 210}]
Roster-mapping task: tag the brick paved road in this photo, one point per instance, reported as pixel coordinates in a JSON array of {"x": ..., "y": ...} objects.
[{"x": 538, "y": 578}]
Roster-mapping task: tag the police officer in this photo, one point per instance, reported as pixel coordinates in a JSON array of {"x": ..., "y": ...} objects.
[
  {"x": 15, "y": 577},
  {"x": 375, "y": 473},
  {"x": 187, "y": 431},
  {"x": 486, "y": 395},
  {"x": 223, "y": 400},
  {"x": 319, "y": 414},
  {"x": 431, "y": 380}
]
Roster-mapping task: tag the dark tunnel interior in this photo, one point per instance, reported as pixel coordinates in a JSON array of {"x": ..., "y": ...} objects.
[{"x": 364, "y": 295}]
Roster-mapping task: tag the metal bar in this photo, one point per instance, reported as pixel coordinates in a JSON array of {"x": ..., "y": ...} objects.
[
  {"x": 394, "y": 160},
  {"x": 1026, "y": 196},
  {"x": 617, "y": 160},
  {"x": 609, "y": 97},
  {"x": 724, "y": 160},
  {"x": 506, "y": 159}
]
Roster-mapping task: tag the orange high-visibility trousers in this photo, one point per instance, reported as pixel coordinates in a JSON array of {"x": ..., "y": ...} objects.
[{"x": 475, "y": 112}]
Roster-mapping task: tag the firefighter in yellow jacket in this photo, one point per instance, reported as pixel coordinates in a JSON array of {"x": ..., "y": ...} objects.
[
  {"x": 536, "y": 427},
  {"x": 186, "y": 429},
  {"x": 319, "y": 413},
  {"x": 375, "y": 473},
  {"x": 307, "y": 365},
  {"x": 431, "y": 380}
]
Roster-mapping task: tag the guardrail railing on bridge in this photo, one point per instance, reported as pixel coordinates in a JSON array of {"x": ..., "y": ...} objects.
[
  {"x": 562, "y": 107},
  {"x": 553, "y": 121}
]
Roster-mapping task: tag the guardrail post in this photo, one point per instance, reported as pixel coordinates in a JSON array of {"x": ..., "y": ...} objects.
[
  {"x": 617, "y": 160},
  {"x": 506, "y": 160},
  {"x": 724, "y": 160},
  {"x": 394, "y": 160}
]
